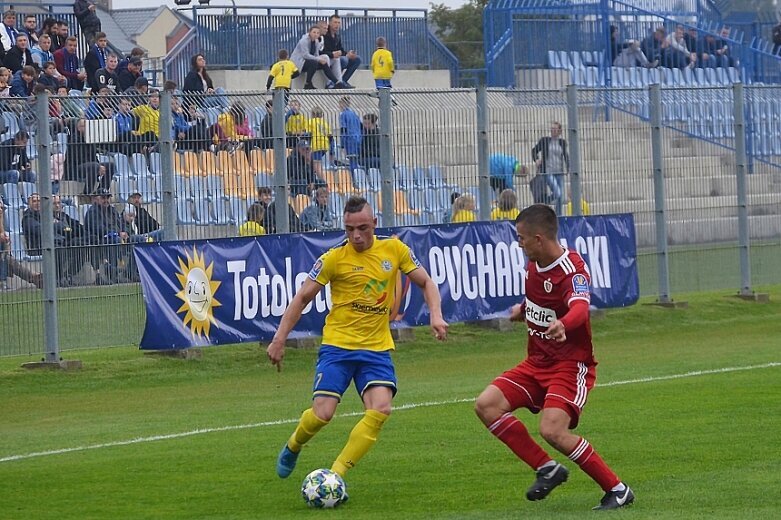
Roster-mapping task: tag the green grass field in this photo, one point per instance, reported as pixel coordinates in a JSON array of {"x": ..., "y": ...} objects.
[{"x": 699, "y": 446}]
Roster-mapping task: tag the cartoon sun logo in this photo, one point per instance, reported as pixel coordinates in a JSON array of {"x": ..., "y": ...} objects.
[{"x": 197, "y": 293}]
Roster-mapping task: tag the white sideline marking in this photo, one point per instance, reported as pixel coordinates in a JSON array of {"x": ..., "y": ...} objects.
[{"x": 409, "y": 406}]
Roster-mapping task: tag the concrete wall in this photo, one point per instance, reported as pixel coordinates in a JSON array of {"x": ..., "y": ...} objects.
[{"x": 256, "y": 79}]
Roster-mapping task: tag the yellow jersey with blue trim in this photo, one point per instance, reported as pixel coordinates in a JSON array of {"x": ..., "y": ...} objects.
[{"x": 363, "y": 289}]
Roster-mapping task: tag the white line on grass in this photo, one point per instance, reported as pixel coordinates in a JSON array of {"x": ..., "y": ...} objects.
[{"x": 409, "y": 406}]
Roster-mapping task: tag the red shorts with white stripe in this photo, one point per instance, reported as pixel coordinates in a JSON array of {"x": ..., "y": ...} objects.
[{"x": 564, "y": 385}]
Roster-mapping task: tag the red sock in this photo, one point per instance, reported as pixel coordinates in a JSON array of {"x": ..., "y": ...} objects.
[
  {"x": 589, "y": 461},
  {"x": 514, "y": 434}
]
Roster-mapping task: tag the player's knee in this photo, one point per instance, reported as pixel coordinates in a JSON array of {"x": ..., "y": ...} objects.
[
  {"x": 486, "y": 408},
  {"x": 552, "y": 432},
  {"x": 384, "y": 408}
]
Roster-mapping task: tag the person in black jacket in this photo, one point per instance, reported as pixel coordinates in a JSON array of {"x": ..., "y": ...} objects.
[
  {"x": 550, "y": 156},
  {"x": 96, "y": 58},
  {"x": 127, "y": 78},
  {"x": 146, "y": 224},
  {"x": 104, "y": 226},
  {"x": 370, "y": 142},
  {"x": 14, "y": 164},
  {"x": 343, "y": 63},
  {"x": 270, "y": 217},
  {"x": 88, "y": 19},
  {"x": 19, "y": 55},
  {"x": 200, "y": 87},
  {"x": 107, "y": 76},
  {"x": 300, "y": 172}
]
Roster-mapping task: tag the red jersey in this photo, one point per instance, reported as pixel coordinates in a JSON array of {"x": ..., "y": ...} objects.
[{"x": 549, "y": 292}]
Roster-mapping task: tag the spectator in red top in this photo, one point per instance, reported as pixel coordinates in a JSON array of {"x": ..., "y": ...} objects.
[{"x": 68, "y": 64}]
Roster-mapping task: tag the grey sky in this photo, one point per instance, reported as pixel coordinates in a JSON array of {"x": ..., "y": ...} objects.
[{"x": 418, "y": 4}]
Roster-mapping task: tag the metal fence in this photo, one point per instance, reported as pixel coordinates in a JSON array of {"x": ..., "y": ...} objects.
[{"x": 134, "y": 169}]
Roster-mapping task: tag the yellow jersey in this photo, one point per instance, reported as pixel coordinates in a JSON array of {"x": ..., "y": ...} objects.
[
  {"x": 499, "y": 214},
  {"x": 382, "y": 64},
  {"x": 464, "y": 215},
  {"x": 228, "y": 125},
  {"x": 363, "y": 289},
  {"x": 148, "y": 120},
  {"x": 283, "y": 71},
  {"x": 296, "y": 124},
  {"x": 251, "y": 229},
  {"x": 320, "y": 131}
]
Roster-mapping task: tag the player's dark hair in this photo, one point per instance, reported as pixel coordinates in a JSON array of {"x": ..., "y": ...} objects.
[
  {"x": 282, "y": 54},
  {"x": 540, "y": 218},
  {"x": 355, "y": 205}
]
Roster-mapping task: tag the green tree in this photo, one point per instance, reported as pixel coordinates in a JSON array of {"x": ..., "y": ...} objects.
[{"x": 461, "y": 30}]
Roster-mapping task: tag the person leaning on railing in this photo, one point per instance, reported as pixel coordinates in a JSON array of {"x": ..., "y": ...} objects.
[{"x": 10, "y": 265}]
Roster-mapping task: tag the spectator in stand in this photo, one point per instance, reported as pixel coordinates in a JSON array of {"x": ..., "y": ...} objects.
[
  {"x": 149, "y": 120},
  {"x": 107, "y": 75},
  {"x": 96, "y": 179},
  {"x": 349, "y": 132},
  {"x": 302, "y": 177},
  {"x": 282, "y": 74},
  {"x": 343, "y": 64},
  {"x": 23, "y": 82},
  {"x": 47, "y": 28},
  {"x": 103, "y": 225},
  {"x": 296, "y": 124},
  {"x": 448, "y": 214},
  {"x": 145, "y": 222},
  {"x": 308, "y": 59},
  {"x": 96, "y": 58},
  {"x": 656, "y": 46},
  {"x": 270, "y": 219},
  {"x": 776, "y": 37},
  {"x": 8, "y": 264},
  {"x": 199, "y": 85},
  {"x": 68, "y": 64},
  {"x": 190, "y": 131},
  {"x": 464, "y": 209},
  {"x": 67, "y": 234},
  {"x": 719, "y": 48},
  {"x": 506, "y": 206},
  {"x": 30, "y": 29},
  {"x": 87, "y": 17},
  {"x": 633, "y": 56},
  {"x": 14, "y": 164},
  {"x": 19, "y": 56},
  {"x": 615, "y": 45},
  {"x": 266, "y": 131},
  {"x": 49, "y": 78},
  {"x": 232, "y": 128},
  {"x": 370, "y": 142},
  {"x": 135, "y": 52},
  {"x": 679, "y": 56},
  {"x": 253, "y": 227},
  {"x": 382, "y": 65},
  {"x": 322, "y": 140},
  {"x": 71, "y": 107},
  {"x": 502, "y": 169},
  {"x": 5, "y": 79},
  {"x": 8, "y": 31},
  {"x": 138, "y": 93},
  {"x": 127, "y": 78},
  {"x": 81, "y": 162},
  {"x": 550, "y": 156},
  {"x": 60, "y": 36},
  {"x": 43, "y": 53},
  {"x": 127, "y": 126},
  {"x": 101, "y": 106},
  {"x": 319, "y": 216}
]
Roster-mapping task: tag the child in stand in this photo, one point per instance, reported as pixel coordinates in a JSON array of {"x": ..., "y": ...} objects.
[
  {"x": 382, "y": 66},
  {"x": 282, "y": 74},
  {"x": 322, "y": 139},
  {"x": 5, "y": 78}
]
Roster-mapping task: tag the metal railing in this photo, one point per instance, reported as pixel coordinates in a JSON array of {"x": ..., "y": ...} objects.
[{"x": 207, "y": 166}]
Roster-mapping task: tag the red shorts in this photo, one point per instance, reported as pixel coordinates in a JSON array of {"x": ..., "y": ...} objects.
[{"x": 564, "y": 385}]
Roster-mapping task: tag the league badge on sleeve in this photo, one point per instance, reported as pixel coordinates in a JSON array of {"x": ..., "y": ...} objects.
[
  {"x": 414, "y": 258},
  {"x": 580, "y": 284},
  {"x": 315, "y": 272}
]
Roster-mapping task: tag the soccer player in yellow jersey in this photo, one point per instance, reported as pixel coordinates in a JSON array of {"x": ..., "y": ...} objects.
[
  {"x": 357, "y": 341},
  {"x": 282, "y": 73},
  {"x": 382, "y": 65}
]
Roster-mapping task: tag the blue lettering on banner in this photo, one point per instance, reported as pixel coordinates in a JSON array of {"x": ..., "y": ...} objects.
[{"x": 235, "y": 290}]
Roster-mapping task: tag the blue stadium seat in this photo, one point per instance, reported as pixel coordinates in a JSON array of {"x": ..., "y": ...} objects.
[
  {"x": 416, "y": 199},
  {"x": 375, "y": 179},
  {"x": 429, "y": 217},
  {"x": 360, "y": 179},
  {"x": 336, "y": 202},
  {"x": 733, "y": 75},
  {"x": 122, "y": 166},
  {"x": 11, "y": 123},
  {"x": 124, "y": 187},
  {"x": 404, "y": 178},
  {"x": 419, "y": 178},
  {"x": 13, "y": 220},
  {"x": 238, "y": 210},
  {"x": 25, "y": 190},
  {"x": 62, "y": 142},
  {"x": 72, "y": 212},
  {"x": 155, "y": 165},
  {"x": 184, "y": 211},
  {"x": 688, "y": 78},
  {"x": 32, "y": 149},
  {"x": 564, "y": 60},
  {"x": 183, "y": 189},
  {"x": 201, "y": 201},
  {"x": 700, "y": 76},
  {"x": 574, "y": 59},
  {"x": 436, "y": 179},
  {"x": 618, "y": 77},
  {"x": 553, "y": 60},
  {"x": 145, "y": 182},
  {"x": 263, "y": 180}
]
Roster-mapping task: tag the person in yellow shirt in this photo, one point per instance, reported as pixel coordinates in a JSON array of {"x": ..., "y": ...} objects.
[
  {"x": 149, "y": 120},
  {"x": 296, "y": 124},
  {"x": 362, "y": 273},
  {"x": 282, "y": 74},
  {"x": 321, "y": 138},
  {"x": 382, "y": 65},
  {"x": 464, "y": 209},
  {"x": 253, "y": 227},
  {"x": 506, "y": 207}
]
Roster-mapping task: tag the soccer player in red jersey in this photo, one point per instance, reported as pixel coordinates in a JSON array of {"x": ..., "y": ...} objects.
[{"x": 559, "y": 370}]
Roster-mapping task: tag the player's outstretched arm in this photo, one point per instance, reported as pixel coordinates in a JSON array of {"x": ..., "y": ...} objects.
[
  {"x": 276, "y": 349},
  {"x": 430, "y": 293}
]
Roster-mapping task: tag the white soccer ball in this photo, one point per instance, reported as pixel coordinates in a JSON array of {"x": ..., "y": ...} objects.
[{"x": 324, "y": 488}]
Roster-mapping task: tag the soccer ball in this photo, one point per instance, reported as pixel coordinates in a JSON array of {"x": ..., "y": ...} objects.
[{"x": 324, "y": 489}]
